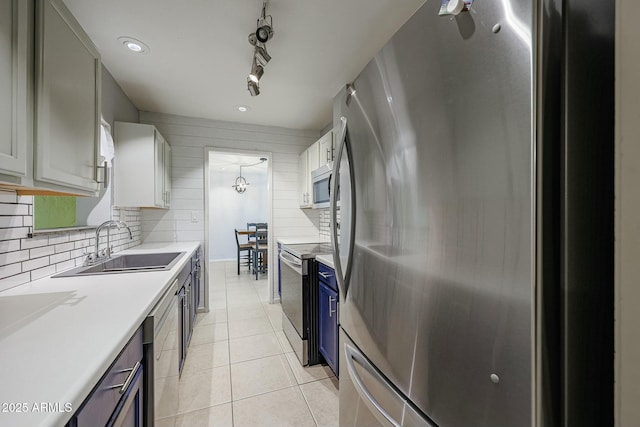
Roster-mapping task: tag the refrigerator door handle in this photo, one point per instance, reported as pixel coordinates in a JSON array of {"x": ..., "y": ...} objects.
[
  {"x": 334, "y": 196},
  {"x": 342, "y": 279},
  {"x": 374, "y": 406}
]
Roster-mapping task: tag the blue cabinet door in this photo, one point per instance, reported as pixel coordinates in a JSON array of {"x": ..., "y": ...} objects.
[{"x": 328, "y": 325}]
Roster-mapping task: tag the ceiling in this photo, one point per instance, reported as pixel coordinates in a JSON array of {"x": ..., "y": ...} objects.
[
  {"x": 219, "y": 161},
  {"x": 199, "y": 55}
]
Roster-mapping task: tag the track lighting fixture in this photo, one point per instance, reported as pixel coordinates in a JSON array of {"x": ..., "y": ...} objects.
[{"x": 263, "y": 33}]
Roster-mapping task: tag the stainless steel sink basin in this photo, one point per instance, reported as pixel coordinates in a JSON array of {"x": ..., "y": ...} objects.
[{"x": 129, "y": 263}]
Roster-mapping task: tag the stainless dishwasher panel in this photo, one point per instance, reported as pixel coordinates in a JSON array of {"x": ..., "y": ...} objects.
[
  {"x": 162, "y": 389},
  {"x": 293, "y": 271}
]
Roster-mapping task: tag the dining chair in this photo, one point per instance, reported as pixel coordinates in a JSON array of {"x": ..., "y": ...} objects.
[
  {"x": 244, "y": 252},
  {"x": 251, "y": 226},
  {"x": 261, "y": 251}
]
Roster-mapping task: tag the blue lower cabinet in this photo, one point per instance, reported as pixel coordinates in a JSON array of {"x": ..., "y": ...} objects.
[
  {"x": 129, "y": 411},
  {"x": 328, "y": 325},
  {"x": 118, "y": 398}
]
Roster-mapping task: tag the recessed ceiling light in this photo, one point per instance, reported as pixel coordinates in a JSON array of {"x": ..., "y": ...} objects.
[
  {"x": 134, "y": 45},
  {"x": 242, "y": 108}
]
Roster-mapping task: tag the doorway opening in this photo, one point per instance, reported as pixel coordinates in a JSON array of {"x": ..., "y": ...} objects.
[{"x": 238, "y": 193}]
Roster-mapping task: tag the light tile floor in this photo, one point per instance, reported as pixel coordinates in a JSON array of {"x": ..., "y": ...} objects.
[{"x": 240, "y": 369}]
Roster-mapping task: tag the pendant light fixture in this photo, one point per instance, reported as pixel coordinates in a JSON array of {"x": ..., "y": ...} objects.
[
  {"x": 263, "y": 33},
  {"x": 241, "y": 183}
]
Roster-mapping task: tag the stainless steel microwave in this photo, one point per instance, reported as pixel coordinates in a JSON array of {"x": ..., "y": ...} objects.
[{"x": 321, "y": 183}]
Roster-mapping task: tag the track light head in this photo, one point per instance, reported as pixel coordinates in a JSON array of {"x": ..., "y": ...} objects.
[
  {"x": 261, "y": 55},
  {"x": 253, "y": 87},
  {"x": 264, "y": 33},
  {"x": 256, "y": 72}
]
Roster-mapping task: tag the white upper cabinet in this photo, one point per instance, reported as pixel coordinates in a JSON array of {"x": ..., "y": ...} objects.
[
  {"x": 308, "y": 161},
  {"x": 313, "y": 157},
  {"x": 327, "y": 148},
  {"x": 49, "y": 101},
  {"x": 14, "y": 51},
  {"x": 304, "y": 195},
  {"x": 142, "y": 167},
  {"x": 67, "y": 100},
  {"x": 167, "y": 175}
]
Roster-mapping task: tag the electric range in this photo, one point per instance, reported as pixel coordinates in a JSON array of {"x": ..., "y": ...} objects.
[{"x": 299, "y": 298}]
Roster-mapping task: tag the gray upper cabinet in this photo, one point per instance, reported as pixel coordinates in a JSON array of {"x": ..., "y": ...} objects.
[
  {"x": 14, "y": 74},
  {"x": 50, "y": 81},
  {"x": 67, "y": 100}
]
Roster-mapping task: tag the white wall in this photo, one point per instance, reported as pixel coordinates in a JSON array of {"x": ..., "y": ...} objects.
[
  {"x": 189, "y": 137},
  {"x": 229, "y": 210},
  {"x": 627, "y": 245}
]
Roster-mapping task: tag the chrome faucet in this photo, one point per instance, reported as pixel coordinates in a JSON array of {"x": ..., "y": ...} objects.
[{"x": 105, "y": 254}]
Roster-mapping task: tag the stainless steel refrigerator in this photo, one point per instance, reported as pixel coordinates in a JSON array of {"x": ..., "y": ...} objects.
[{"x": 474, "y": 233}]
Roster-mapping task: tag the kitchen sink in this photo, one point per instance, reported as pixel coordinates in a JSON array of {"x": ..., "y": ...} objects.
[{"x": 129, "y": 263}]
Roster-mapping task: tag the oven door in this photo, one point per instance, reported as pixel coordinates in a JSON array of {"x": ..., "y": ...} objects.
[{"x": 293, "y": 270}]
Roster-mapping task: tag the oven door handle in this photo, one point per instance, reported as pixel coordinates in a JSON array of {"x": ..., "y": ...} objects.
[{"x": 292, "y": 262}]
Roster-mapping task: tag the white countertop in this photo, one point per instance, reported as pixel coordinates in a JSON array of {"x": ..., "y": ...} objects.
[
  {"x": 58, "y": 336},
  {"x": 294, "y": 240}
]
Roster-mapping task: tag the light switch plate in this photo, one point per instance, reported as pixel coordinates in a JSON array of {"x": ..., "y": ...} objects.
[{"x": 194, "y": 216}]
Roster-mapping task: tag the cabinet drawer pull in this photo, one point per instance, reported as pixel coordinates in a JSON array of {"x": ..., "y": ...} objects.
[
  {"x": 331, "y": 300},
  {"x": 125, "y": 385},
  {"x": 324, "y": 275}
]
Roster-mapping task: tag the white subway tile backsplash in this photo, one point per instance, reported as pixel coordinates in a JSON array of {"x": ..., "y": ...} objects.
[
  {"x": 13, "y": 257},
  {"x": 23, "y": 259},
  {"x": 63, "y": 256},
  {"x": 41, "y": 251},
  {"x": 13, "y": 233},
  {"x": 10, "y": 270},
  {"x": 32, "y": 264},
  {"x": 27, "y": 200},
  {"x": 35, "y": 242},
  {"x": 9, "y": 246},
  {"x": 64, "y": 247},
  {"x": 16, "y": 280},
  {"x": 62, "y": 266},
  {"x": 77, "y": 253},
  {"x": 13, "y": 209},
  {"x": 54, "y": 239},
  {"x": 43, "y": 272},
  {"x": 8, "y": 197}
]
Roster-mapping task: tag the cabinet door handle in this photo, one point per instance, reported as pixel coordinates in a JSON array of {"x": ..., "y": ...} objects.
[
  {"x": 331, "y": 300},
  {"x": 324, "y": 275},
  {"x": 105, "y": 175},
  {"x": 132, "y": 373},
  {"x": 328, "y": 155}
]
